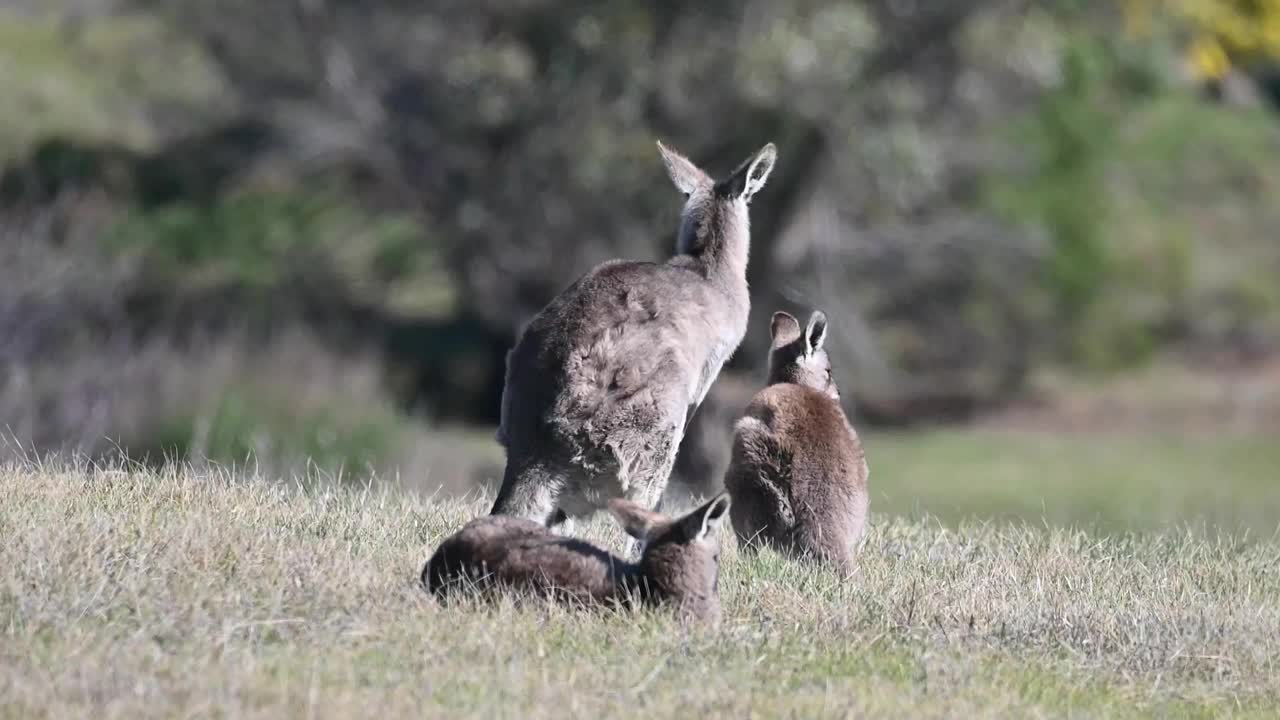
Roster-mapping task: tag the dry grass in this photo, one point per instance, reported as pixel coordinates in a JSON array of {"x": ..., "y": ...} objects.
[{"x": 189, "y": 594}]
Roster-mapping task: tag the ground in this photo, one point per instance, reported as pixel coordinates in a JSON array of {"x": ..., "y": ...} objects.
[{"x": 127, "y": 593}]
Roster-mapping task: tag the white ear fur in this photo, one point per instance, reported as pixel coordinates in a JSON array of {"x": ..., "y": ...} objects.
[
  {"x": 686, "y": 176},
  {"x": 713, "y": 513},
  {"x": 759, "y": 170},
  {"x": 816, "y": 332}
]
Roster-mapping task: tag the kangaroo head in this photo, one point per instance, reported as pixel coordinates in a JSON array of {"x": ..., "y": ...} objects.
[
  {"x": 715, "y": 221},
  {"x": 681, "y": 555},
  {"x": 797, "y": 356}
]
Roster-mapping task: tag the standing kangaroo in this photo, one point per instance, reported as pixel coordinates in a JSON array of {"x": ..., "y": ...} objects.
[
  {"x": 798, "y": 475},
  {"x": 680, "y": 565},
  {"x": 602, "y": 382}
]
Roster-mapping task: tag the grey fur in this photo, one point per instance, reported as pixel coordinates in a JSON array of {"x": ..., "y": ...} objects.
[
  {"x": 680, "y": 564},
  {"x": 798, "y": 474},
  {"x": 602, "y": 382}
]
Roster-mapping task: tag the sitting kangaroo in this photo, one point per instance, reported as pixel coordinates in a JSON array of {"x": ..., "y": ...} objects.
[
  {"x": 680, "y": 564},
  {"x": 798, "y": 475},
  {"x": 602, "y": 382}
]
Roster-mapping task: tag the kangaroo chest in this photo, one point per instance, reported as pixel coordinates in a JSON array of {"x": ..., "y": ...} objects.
[{"x": 726, "y": 335}]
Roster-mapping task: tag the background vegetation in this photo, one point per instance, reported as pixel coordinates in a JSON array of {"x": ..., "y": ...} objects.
[{"x": 308, "y": 231}]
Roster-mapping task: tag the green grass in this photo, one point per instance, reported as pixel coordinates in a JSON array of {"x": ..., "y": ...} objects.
[
  {"x": 185, "y": 593},
  {"x": 1104, "y": 482}
]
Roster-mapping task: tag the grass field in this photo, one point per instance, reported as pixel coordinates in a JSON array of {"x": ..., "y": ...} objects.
[
  {"x": 193, "y": 594},
  {"x": 1099, "y": 482}
]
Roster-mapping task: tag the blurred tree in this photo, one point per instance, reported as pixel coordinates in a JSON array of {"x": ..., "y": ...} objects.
[{"x": 507, "y": 123}]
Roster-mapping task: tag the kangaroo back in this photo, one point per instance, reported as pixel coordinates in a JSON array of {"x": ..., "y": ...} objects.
[{"x": 497, "y": 551}]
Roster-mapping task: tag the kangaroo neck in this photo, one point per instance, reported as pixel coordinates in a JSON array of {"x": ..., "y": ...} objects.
[
  {"x": 787, "y": 376},
  {"x": 717, "y": 240},
  {"x": 728, "y": 267}
]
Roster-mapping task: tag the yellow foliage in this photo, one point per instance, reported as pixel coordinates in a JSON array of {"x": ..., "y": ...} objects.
[
  {"x": 1222, "y": 32},
  {"x": 1208, "y": 58}
]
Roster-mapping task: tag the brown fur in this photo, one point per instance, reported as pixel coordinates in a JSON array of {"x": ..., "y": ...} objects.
[
  {"x": 601, "y": 383},
  {"x": 680, "y": 564},
  {"x": 798, "y": 475}
]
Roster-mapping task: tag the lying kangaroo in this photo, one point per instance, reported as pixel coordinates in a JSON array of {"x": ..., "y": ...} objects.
[
  {"x": 680, "y": 564},
  {"x": 798, "y": 475},
  {"x": 602, "y": 382}
]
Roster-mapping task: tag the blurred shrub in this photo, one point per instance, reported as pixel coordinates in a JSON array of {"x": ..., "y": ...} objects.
[
  {"x": 1201, "y": 190},
  {"x": 1157, "y": 208},
  {"x": 93, "y": 81},
  {"x": 77, "y": 376},
  {"x": 277, "y": 241},
  {"x": 1072, "y": 137}
]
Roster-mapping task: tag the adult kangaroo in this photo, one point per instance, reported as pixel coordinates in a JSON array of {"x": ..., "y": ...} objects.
[{"x": 603, "y": 381}]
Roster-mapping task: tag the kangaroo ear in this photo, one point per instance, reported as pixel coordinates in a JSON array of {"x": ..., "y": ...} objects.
[
  {"x": 709, "y": 516},
  {"x": 750, "y": 175},
  {"x": 686, "y": 176},
  {"x": 816, "y": 333},
  {"x": 639, "y": 522},
  {"x": 785, "y": 329}
]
